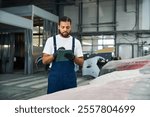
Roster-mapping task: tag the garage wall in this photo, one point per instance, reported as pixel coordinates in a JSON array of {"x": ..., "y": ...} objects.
[
  {"x": 104, "y": 19},
  {"x": 125, "y": 19},
  {"x": 126, "y": 15},
  {"x": 145, "y": 15},
  {"x": 89, "y": 15},
  {"x": 72, "y": 12}
]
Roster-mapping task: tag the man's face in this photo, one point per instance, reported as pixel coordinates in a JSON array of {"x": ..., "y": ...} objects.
[{"x": 64, "y": 29}]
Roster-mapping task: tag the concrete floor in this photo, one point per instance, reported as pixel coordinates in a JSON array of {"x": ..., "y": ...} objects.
[{"x": 18, "y": 86}]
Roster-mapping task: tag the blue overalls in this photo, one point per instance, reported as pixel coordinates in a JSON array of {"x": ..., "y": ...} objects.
[{"x": 62, "y": 74}]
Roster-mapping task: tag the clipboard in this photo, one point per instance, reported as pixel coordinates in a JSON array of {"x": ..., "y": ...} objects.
[{"x": 61, "y": 53}]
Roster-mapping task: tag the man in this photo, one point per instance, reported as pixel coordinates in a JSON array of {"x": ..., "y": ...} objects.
[{"x": 61, "y": 52}]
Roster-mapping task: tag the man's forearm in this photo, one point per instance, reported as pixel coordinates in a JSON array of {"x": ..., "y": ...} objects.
[
  {"x": 47, "y": 59},
  {"x": 79, "y": 60}
]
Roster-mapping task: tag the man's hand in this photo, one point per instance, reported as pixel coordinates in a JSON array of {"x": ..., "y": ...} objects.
[
  {"x": 55, "y": 55},
  {"x": 69, "y": 56}
]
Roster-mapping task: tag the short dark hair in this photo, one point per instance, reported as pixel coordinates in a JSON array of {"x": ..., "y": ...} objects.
[{"x": 65, "y": 19}]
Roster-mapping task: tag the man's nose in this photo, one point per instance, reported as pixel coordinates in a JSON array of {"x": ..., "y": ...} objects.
[{"x": 65, "y": 29}]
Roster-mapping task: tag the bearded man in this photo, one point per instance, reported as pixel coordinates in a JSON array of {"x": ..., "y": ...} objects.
[{"x": 62, "y": 52}]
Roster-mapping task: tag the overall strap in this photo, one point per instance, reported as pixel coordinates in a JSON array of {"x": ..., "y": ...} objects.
[
  {"x": 73, "y": 44},
  {"x": 54, "y": 41},
  {"x": 55, "y": 46}
]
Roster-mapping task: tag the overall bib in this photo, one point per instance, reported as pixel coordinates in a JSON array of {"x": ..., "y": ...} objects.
[{"x": 62, "y": 74}]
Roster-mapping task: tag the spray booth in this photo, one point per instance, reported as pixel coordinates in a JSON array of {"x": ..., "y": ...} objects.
[{"x": 23, "y": 33}]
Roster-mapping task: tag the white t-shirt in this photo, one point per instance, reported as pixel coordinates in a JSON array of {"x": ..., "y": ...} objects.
[{"x": 63, "y": 42}]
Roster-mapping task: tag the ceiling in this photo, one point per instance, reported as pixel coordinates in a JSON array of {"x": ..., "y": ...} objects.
[{"x": 49, "y": 5}]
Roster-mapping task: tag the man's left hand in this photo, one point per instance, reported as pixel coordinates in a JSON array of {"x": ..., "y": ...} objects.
[{"x": 69, "y": 56}]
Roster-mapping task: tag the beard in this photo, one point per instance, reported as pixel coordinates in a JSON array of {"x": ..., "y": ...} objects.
[{"x": 64, "y": 34}]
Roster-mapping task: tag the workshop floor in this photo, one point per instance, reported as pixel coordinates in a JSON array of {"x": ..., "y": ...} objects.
[{"x": 18, "y": 86}]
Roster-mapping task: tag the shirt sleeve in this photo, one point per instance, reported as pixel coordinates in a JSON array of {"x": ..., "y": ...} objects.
[
  {"x": 78, "y": 49},
  {"x": 48, "y": 48}
]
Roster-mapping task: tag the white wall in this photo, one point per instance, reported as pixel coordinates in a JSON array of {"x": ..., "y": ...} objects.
[
  {"x": 145, "y": 11},
  {"x": 72, "y": 12},
  {"x": 125, "y": 19},
  {"x": 106, "y": 14},
  {"x": 90, "y": 15}
]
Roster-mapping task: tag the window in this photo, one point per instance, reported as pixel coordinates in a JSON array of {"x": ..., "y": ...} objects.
[
  {"x": 91, "y": 44},
  {"x": 38, "y": 36}
]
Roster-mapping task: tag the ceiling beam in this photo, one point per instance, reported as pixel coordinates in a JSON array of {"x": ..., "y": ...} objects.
[
  {"x": 14, "y": 20},
  {"x": 31, "y": 10}
]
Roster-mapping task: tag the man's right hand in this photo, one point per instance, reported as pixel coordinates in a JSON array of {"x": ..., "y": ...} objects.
[{"x": 56, "y": 53}]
